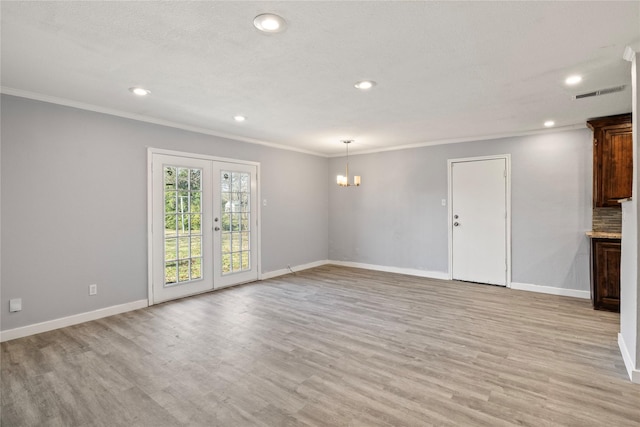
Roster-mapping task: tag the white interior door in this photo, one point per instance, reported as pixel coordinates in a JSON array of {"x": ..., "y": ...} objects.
[
  {"x": 479, "y": 220},
  {"x": 203, "y": 225}
]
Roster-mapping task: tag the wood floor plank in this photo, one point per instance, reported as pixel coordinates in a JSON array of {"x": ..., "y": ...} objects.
[{"x": 330, "y": 346}]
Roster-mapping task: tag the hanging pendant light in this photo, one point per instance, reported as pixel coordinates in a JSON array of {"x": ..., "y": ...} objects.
[{"x": 343, "y": 180}]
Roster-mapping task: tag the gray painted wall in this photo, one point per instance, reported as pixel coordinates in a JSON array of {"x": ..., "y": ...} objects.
[
  {"x": 636, "y": 142},
  {"x": 74, "y": 201},
  {"x": 396, "y": 218},
  {"x": 630, "y": 263},
  {"x": 74, "y": 206}
]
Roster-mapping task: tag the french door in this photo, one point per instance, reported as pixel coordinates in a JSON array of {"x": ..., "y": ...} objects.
[{"x": 203, "y": 225}]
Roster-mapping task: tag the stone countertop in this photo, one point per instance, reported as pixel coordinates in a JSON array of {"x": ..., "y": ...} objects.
[{"x": 603, "y": 235}]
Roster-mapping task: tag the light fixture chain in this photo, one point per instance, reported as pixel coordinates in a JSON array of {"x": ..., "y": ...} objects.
[{"x": 347, "y": 171}]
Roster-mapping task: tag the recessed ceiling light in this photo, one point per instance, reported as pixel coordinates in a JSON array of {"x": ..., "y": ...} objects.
[
  {"x": 573, "y": 80},
  {"x": 239, "y": 118},
  {"x": 549, "y": 123},
  {"x": 139, "y": 91},
  {"x": 269, "y": 23},
  {"x": 365, "y": 84}
]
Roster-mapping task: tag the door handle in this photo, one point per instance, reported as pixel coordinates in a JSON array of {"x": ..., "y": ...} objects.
[
  {"x": 455, "y": 224},
  {"x": 217, "y": 229}
]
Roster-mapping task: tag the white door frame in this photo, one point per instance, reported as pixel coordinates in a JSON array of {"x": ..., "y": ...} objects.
[
  {"x": 450, "y": 162},
  {"x": 150, "y": 152}
]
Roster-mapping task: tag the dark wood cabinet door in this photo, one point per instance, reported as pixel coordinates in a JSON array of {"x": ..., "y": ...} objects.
[
  {"x": 612, "y": 159},
  {"x": 605, "y": 287},
  {"x": 617, "y": 165}
]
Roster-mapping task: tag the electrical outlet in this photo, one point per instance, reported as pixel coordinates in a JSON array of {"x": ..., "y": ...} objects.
[
  {"x": 93, "y": 289},
  {"x": 15, "y": 305}
]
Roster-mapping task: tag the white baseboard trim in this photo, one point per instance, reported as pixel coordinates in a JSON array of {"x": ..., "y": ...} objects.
[
  {"x": 576, "y": 293},
  {"x": 399, "y": 270},
  {"x": 634, "y": 374},
  {"x": 283, "y": 271},
  {"x": 50, "y": 325}
]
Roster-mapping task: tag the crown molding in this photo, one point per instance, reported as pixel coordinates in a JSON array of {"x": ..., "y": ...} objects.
[
  {"x": 147, "y": 119},
  {"x": 466, "y": 139}
]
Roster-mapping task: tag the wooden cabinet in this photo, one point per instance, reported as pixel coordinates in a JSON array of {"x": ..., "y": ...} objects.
[
  {"x": 612, "y": 159},
  {"x": 605, "y": 274}
]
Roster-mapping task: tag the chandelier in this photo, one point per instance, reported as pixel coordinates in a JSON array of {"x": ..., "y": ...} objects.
[{"x": 343, "y": 180}]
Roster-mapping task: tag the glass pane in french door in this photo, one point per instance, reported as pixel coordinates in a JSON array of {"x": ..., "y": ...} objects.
[
  {"x": 182, "y": 224},
  {"x": 235, "y": 208}
]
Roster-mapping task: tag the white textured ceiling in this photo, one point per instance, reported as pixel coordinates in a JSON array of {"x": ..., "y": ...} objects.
[{"x": 445, "y": 70}]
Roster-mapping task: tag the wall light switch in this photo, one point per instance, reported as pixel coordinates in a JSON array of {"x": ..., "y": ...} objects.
[
  {"x": 15, "y": 304},
  {"x": 264, "y": 202},
  {"x": 93, "y": 289},
  {"x": 444, "y": 202}
]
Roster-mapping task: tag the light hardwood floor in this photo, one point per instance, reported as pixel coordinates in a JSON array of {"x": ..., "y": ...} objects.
[{"x": 331, "y": 346}]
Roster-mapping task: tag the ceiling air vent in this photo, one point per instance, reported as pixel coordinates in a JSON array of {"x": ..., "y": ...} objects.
[{"x": 600, "y": 92}]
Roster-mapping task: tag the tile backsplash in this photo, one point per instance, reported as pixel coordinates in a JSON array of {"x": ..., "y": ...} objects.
[{"x": 607, "y": 219}]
